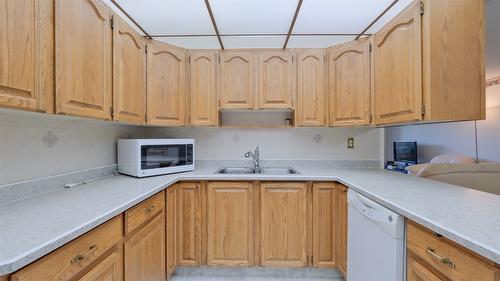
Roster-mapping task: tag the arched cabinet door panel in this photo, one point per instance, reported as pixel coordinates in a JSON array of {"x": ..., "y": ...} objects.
[
  {"x": 203, "y": 88},
  {"x": 311, "y": 81},
  {"x": 275, "y": 80},
  {"x": 237, "y": 80},
  {"x": 349, "y": 83},
  {"x": 397, "y": 52},
  {"x": 166, "y": 85},
  {"x": 83, "y": 58},
  {"x": 129, "y": 74},
  {"x": 26, "y": 63}
]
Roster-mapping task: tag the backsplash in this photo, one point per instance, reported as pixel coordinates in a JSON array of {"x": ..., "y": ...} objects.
[{"x": 34, "y": 145}]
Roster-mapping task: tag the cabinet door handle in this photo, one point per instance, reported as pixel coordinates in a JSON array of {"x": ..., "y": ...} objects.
[
  {"x": 442, "y": 260},
  {"x": 150, "y": 209},
  {"x": 79, "y": 258}
]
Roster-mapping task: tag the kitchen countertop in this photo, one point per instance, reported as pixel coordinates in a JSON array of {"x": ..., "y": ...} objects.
[{"x": 33, "y": 227}]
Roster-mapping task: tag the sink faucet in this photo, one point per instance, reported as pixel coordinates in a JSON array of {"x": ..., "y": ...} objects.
[{"x": 255, "y": 157}]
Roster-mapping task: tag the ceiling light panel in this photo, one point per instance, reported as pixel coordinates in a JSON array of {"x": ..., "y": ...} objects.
[
  {"x": 338, "y": 16},
  {"x": 205, "y": 42},
  {"x": 243, "y": 42},
  {"x": 317, "y": 41},
  {"x": 253, "y": 16},
  {"x": 160, "y": 17}
]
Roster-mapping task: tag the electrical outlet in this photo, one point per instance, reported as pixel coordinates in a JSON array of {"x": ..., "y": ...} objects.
[{"x": 350, "y": 143}]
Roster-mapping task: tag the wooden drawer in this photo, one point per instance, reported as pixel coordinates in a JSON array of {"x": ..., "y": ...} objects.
[
  {"x": 72, "y": 258},
  {"x": 144, "y": 211},
  {"x": 454, "y": 261}
]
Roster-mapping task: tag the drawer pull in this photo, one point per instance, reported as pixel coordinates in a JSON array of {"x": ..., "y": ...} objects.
[
  {"x": 442, "y": 260},
  {"x": 150, "y": 209},
  {"x": 79, "y": 258}
]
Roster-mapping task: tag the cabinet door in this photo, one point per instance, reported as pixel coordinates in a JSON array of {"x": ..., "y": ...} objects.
[
  {"x": 349, "y": 83},
  {"x": 230, "y": 223},
  {"x": 129, "y": 74},
  {"x": 110, "y": 269},
  {"x": 189, "y": 224},
  {"x": 237, "y": 80},
  {"x": 283, "y": 224},
  {"x": 27, "y": 48},
  {"x": 416, "y": 271},
  {"x": 397, "y": 73},
  {"x": 341, "y": 253},
  {"x": 275, "y": 79},
  {"x": 145, "y": 252},
  {"x": 171, "y": 229},
  {"x": 83, "y": 58},
  {"x": 325, "y": 208},
  {"x": 203, "y": 88},
  {"x": 166, "y": 84},
  {"x": 311, "y": 103}
]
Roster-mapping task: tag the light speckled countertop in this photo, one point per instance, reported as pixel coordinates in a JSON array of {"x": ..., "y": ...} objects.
[{"x": 31, "y": 228}]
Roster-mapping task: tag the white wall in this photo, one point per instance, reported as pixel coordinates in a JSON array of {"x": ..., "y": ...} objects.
[
  {"x": 279, "y": 144},
  {"x": 81, "y": 144}
]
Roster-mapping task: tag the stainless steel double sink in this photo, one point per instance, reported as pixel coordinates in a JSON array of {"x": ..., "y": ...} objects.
[{"x": 266, "y": 171}]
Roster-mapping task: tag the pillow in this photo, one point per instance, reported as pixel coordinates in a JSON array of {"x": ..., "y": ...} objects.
[
  {"x": 415, "y": 169},
  {"x": 452, "y": 158}
]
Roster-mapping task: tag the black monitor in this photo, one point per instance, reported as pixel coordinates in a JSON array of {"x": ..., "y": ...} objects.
[{"x": 405, "y": 152}]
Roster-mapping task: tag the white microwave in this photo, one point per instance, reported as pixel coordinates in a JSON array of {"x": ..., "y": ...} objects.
[{"x": 151, "y": 157}]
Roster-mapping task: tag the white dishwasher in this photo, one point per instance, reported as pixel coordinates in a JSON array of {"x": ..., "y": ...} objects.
[{"x": 375, "y": 243}]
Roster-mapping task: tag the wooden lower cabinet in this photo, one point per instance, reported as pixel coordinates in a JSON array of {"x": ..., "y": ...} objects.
[
  {"x": 110, "y": 269},
  {"x": 189, "y": 218},
  {"x": 145, "y": 252},
  {"x": 416, "y": 271},
  {"x": 171, "y": 229},
  {"x": 283, "y": 216},
  {"x": 341, "y": 237},
  {"x": 230, "y": 223},
  {"x": 324, "y": 224}
]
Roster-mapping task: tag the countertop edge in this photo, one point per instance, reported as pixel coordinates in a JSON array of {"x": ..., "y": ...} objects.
[{"x": 23, "y": 259}]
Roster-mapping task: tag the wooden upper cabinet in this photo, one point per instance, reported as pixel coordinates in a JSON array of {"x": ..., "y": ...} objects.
[
  {"x": 26, "y": 61},
  {"x": 145, "y": 252},
  {"x": 129, "y": 74},
  {"x": 311, "y": 80},
  {"x": 237, "y": 80},
  {"x": 349, "y": 81},
  {"x": 83, "y": 58},
  {"x": 189, "y": 232},
  {"x": 275, "y": 79},
  {"x": 230, "y": 223},
  {"x": 283, "y": 216},
  {"x": 324, "y": 224},
  {"x": 166, "y": 85},
  {"x": 398, "y": 69},
  {"x": 203, "y": 88}
]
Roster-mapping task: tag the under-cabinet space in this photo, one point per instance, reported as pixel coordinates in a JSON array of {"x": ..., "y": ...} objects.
[
  {"x": 83, "y": 62},
  {"x": 166, "y": 85},
  {"x": 27, "y": 62},
  {"x": 129, "y": 74}
]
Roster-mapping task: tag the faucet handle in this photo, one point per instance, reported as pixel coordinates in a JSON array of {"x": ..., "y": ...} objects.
[{"x": 248, "y": 154}]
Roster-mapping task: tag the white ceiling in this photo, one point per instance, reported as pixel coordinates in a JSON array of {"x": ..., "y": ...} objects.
[{"x": 247, "y": 17}]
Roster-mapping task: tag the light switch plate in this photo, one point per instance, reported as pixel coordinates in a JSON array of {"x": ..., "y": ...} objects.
[{"x": 350, "y": 143}]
